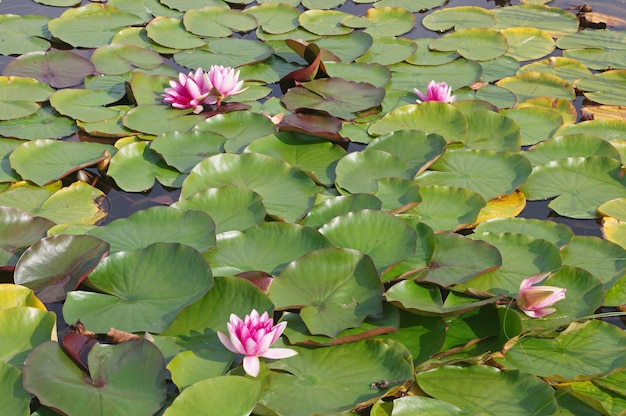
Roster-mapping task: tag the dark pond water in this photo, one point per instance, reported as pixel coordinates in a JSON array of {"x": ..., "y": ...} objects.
[{"x": 122, "y": 204}]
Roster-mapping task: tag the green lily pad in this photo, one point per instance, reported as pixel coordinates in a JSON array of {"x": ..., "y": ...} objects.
[
  {"x": 23, "y": 328},
  {"x": 522, "y": 256},
  {"x": 385, "y": 238},
  {"x": 19, "y": 96},
  {"x": 231, "y": 52},
  {"x": 493, "y": 131},
  {"x": 158, "y": 119},
  {"x": 184, "y": 150},
  {"x": 566, "y": 68},
  {"x": 135, "y": 167},
  {"x": 78, "y": 203},
  {"x": 460, "y": 17},
  {"x": 317, "y": 157},
  {"x": 287, "y": 192},
  {"x": 359, "y": 172},
  {"x": 413, "y": 6},
  {"x": 388, "y": 50},
  {"x": 580, "y": 184},
  {"x": 604, "y": 88},
  {"x": 425, "y": 56},
  {"x": 170, "y": 32},
  {"x": 571, "y": 355},
  {"x": 27, "y": 34},
  {"x": 7, "y": 173},
  {"x": 429, "y": 117},
  {"x": 122, "y": 378},
  {"x": 596, "y": 49},
  {"x": 144, "y": 289},
  {"x": 117, "y": 58},
  {"x": 383, "y": 21},
  {"x": 609, "y": 130},
  {"x": 535, "y": 84},
  {"x": 45, "y": 123},
  {"x": 158, "y": 224},
  {"x": 323, "y": 212},
  {"x": 84, "y": 105},
  {"x": 527, "y": 43},
  {"x": 19, "y": 230},
  {"x": 556, "y": 233},
  {"x": 45, "y": 160},
  {"x": 458, "y": 73},
  {"x": 477, "y": 44},
  {"x": 536, "y": 124},
  {"x": 324, "y": 22},
  {"x": 230, "y": 207},
  {"x": 341, "y": 297},
  {"x": 69, "y": 259},
  {"x": 557, "y": 22},
  {"x": 18, "y": 400},
  {"x": 189, "y": 367},
  {"x": 239, "y": 128},
  {"x": 91, "y": 25},
  {"x": 447, "y": 209},
  {"x": 574, "y": 145},
  {"x": 138, "y": 36},
  {"x": 217, "y": 21},
  {"x": 275, "y": 18},
  {"x": 242, "y": 251},
  {"x": 489, "y": 391},
  {"x": 476, "y": 170},
  {"x": 314, "y": 376},
  {"x": 495, "y": 69},
  {"x": 210, "y": 393}
]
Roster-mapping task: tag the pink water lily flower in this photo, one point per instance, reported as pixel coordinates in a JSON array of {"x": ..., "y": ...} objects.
[
  {"x": 436, "y": 91},
  {"x": 224, "y": 82},
  {"x": 534, "y": 301},
  {"x": 253, "y": 337},
  {"x": 190, "y": 91}
]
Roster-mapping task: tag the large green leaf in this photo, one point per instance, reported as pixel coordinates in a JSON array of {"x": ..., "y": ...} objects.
[
  {"x": 526, "y": 43},
  {"x": 18, "y": 231},
  {"x": 477, "y": 44},
  {"x": 574, "y": 145},
  {"x": 485, "y": 172},
  {"x": 359, "y": 172},
  {"x": 84, "y": 105},
  {"x": 239, "y": 128},
  {"x": 489, "y": 391},
  {"x": 331, "y": 379},
  {"x": 45, "y": 160},
  {"x": 157, "y": 119},
  {"x": 572, "y": 355},
  {"x": 383, "y": 237},
  {"x": 207, "y": 397},
  {"x": 143, "y": 289},
  {"x": 536, "y": 124},
  {"x": 184, "y": 150},
  {"x": 556, "y": 233},
  {"x": 217, "y": 22},
  {"x": 22, "y": 328},
  {"x": 128, "y": 378},
  {"x": 287, "y": 192},
  {"x": 91, "y": 25},
  {"x": 238, "y": 252},
  {"x": 45, "y": 123},
  {"x": 555, "y": 21},
  {"x": 57, "y": 264},
  {"x": 596, "y": 49},
  {"x": 493, "y": 131},
  {"x": 19, "y": 96},
  {"x": 383, "y": 21},
  {"x": 323, "y": 212},
  {"x": 117, "y": 58},
  {"x": 158, "y": 224},
  {"x": 275, "y": 18},
  {"x": 335, "y": 288},
  {"x": 231, "y": 52},
  {"x": 460, "y": 17},
  {"x": 27, "y": 34},
  {"x": 15, "y": 401},
  {"x": 580, "y": 184},
  {"x": 7, "y": 173},
  {"x": 429, "y": 117},
  {"x": 536, "y": 84}
]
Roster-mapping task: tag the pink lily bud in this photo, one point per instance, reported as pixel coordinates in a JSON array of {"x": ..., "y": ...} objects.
[
  {"x": 534, "y": 301},
  {"x": 436, "y": 92},
  {"x": 224, "y": 82},
  {"x": 253, "y": 337},
  {"x": 190, "y": 91}
]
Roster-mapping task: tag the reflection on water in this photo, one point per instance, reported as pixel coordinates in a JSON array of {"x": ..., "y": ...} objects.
[{"x": 123, "y": 204}]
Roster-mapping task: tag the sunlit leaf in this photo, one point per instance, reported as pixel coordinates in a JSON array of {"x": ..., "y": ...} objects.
[
  {"x": 27, "y": 34},
  {"x": 217, "y": 21},
  {"x": 477, "y": 44},
  {"x": 555, "y": 21},
  {"x": 460, "y": 17}
]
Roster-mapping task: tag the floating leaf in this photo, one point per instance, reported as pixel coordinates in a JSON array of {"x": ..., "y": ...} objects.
[
  {"x": 568, "y": 356},
  {"x": 217, "y": 21},
  {"x": 127, "y": 377},
  {"x": 580, "y": 184},
  {"x": 535, "y": 84},
  {"x": 559, "y": 234},
  {"x": 69, "y": 259},
  {"x": 45, "y": 123},
  {"x": 388, "y": 50},
  {"x": 22, "y": 329},
  {"x": 381, "y": 236},
  {"x": 536, "y": 124},
  {"x": 475, "y": 44},
  {"x": 287, "y": 192},
  {"x": 489, "y": 391},
  {"x": 158, "y": 224},
  {"x": 18, "y": 231},
  {"x": 231, "y": 52},
  {"x": 117, "y": 58},
  {"x": 27, "y": 34},
  {"x": 527, "y": 44},
  {"x": 275, "y": 18},
  {"x": 210, "y": 393},
  {"x": 91, "y": 25},
  {"x": 238, "y": 252},
  {"x": 488, "y": 173},
  {"x": 239, "y": 128},
  {"x": 359, "y": 172},
  {"x": 383, "y": 21},
  {"x": 596, "y": 49},
  {"x": 555, "y": 21},
  {"x": 574, "y": 145},
  {"x": 566, "y": 68},
  {"x": 144, "y": 289},
  {"x": 19, "y": 96},
  {"x": 604, "y": 88},
  {"x": 460, "y": 17}
]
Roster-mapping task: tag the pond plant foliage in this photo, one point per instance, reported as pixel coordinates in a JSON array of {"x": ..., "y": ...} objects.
[{"x": 378, "y": 225}]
